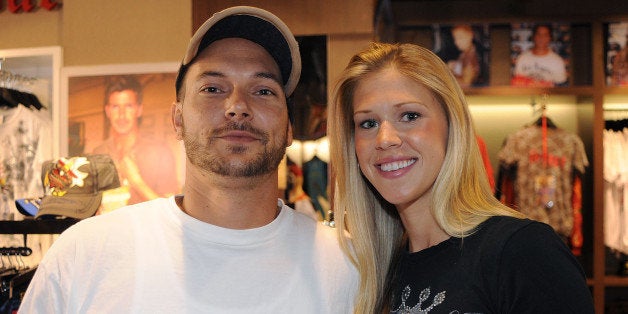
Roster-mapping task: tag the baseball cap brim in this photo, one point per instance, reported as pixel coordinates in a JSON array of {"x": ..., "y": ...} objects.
[
  {"x": 73, "y": 206},
  {"x": 258, "y": 26}
]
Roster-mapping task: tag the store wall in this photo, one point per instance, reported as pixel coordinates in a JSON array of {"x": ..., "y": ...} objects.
[
  {"x": 103, "y": 32},
  {"x": 347, "y": 24},
  {"x": 118, "y": 31},
  {"x": 34, "y": 29}
]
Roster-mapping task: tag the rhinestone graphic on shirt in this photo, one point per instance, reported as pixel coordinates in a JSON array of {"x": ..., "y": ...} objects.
[{"x": 423, "y": 296}]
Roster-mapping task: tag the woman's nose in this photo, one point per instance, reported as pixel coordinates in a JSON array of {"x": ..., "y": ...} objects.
[{"x": 387, "y": 136}]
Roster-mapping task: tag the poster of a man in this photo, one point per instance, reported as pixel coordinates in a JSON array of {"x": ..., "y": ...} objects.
[
  {"x": 126, "y": 116},
  {"x": 540, "y": 54},
  {"x": 465, "y": 48}
]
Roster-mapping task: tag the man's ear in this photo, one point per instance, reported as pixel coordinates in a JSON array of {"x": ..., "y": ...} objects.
[
  {"x": 289, "y": 135},
  {"x": 177, "y": 119}
]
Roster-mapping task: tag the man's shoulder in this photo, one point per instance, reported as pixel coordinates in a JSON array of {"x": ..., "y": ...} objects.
[{"x": 123, "y": 218}]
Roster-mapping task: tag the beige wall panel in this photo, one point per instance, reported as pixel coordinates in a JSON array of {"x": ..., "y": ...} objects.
[
  {"x": 304, "y": 17},
  {"x": 120, "y": 31},
  {"x": 38, "y": 28}
]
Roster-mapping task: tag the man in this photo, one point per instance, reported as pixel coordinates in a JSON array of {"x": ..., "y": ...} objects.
[
  {"x": 540, "y": 65},
  {"x": 466, "y": 68},
  {"x": 227, "y": 245},
  {"x": 136, "y": 155}
]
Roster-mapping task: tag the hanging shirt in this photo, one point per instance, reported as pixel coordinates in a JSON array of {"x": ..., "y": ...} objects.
[
  {"x": 616, "y": 189},
  {"x": 544, "y": 181},
  {"x": 315, "y": 183},
  {"x": 26, "y": 142}
]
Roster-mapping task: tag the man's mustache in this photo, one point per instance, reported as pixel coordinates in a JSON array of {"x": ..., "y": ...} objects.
[{"x": 245, "y": 126}]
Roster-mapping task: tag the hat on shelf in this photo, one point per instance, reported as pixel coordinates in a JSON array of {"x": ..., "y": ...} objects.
[
  {"x": 258, "y": 26},
  {"x": 74, "y": 186},
  {"x": 28, "y": 206}
]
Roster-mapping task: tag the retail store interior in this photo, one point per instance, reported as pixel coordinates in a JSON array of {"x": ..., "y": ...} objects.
[{"x": 57, "y": 57}]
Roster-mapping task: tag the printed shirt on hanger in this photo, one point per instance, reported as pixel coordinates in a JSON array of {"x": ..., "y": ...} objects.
[{"x": 544, "y": 181}]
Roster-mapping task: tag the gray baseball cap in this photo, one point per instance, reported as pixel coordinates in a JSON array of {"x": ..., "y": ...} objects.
[{"x": 258, "y": 26}]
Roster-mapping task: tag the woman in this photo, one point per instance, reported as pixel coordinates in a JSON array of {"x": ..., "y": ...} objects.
[{"x": 427, "y": 234}]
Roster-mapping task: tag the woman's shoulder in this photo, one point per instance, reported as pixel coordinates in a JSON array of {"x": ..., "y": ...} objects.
[
  {"x": 505, "y": 225},
  {"x": 505, "y": 231},
  {"x": 515, "y": 237}
]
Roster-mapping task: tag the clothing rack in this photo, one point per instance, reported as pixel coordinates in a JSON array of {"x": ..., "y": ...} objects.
[
  {"x": 12, "y": 80},
  {"x": 616, "y": 118},
  {"x": 15, "y": 276},
  {"x": 36, "y": 226},
  {"x": 542, "y": 107},
  {"x": 15, "y": 90}
]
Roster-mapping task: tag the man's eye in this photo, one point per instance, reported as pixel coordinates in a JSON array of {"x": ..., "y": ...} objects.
[
  {"x": 410, "y": 116},
  {"x": 367, "y": 124},
  {"x": 266, "y": 92},
  {"x": 210, "y": 89}
]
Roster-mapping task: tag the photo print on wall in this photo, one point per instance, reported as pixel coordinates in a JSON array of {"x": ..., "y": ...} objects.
[
  {"x": 466, "y": 50},
  {"x": 617, "y": 54},
  {"x": 540, "y": 54},
  {"x": 124, "y": 111}
]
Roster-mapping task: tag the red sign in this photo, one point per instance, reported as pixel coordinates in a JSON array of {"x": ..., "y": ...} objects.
[{"x": 19, "y": 6}]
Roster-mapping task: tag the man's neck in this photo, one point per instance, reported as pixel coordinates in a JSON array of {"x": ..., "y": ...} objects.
[
  {"x": 540, "y": 51},
  {"x": 235, "y": 203},
  {"x": 123, "y": 142}
]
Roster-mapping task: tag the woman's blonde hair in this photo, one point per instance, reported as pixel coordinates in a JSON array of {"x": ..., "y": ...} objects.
[{"x": 463, "y": 199}]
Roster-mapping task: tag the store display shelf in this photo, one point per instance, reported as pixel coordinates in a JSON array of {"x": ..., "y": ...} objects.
[
  {"x": 616, "y": 281},
  {"x": 514, "y": 91},
  {"x": 32, "y": 226},
  {"x": 621, "y": 90}
]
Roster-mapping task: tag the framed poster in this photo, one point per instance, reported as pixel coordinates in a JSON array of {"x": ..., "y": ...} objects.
[
  {"x": 124, "y": 111},
  {"x": 308, "y": 106},
  {"x": 540, "y": 54},
  {"x": 466, "y": 50},
  {"x": 617, "y": 54}
]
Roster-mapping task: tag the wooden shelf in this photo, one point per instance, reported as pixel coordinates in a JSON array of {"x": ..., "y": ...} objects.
[
  {"x": 616, "y": 90},
  {"x": 616, "y": 281},
  {"x": 516, "y": 91}
]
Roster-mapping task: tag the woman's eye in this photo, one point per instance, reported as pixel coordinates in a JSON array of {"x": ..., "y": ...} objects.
[
  {"x": 367, "y": 124},
  {"x": 410, "y": 116}
]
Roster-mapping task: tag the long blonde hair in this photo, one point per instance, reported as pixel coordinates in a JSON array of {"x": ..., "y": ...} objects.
[{"x": 375, "y": 231}]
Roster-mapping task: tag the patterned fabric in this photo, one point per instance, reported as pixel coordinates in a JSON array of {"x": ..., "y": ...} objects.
[
  {"x": 544, "y": 182},
  {"x": 25, "y": 143}
]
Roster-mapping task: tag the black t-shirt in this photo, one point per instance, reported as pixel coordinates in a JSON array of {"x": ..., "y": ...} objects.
[{"x": 508, "y": 265}]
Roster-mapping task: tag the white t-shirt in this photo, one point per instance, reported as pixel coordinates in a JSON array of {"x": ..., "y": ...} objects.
[
  {"x": 548, "y": 68},
  {"x": 153, "y": 258}
]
